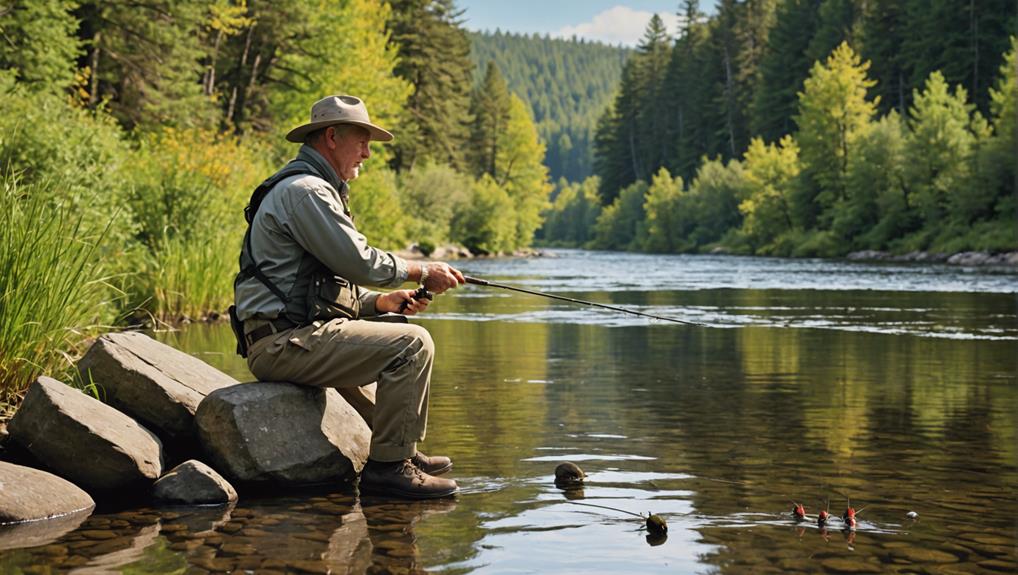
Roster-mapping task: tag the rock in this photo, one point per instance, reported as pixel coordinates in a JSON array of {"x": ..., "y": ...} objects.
[
  {"x": 28, "y": 494},
  {"x": 84, "y": 440},
  {"x": 193, "y": 483},
  {"x": 866, "y": 255},
  {"x": 282, "y": 433},
  {"x": 969, "y": 259},
  {"x": 152, "y": 382}
]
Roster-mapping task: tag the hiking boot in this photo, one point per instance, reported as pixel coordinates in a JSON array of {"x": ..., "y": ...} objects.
[
  {"x": 403, "y": 479},
  {"x": 432, "y": 465}
]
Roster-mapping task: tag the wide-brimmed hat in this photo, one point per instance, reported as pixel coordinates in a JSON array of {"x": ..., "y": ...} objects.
[{"x": 333, "y": 110}]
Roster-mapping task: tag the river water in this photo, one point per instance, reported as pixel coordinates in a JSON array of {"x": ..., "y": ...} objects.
[{"x": 813, "y": 381}]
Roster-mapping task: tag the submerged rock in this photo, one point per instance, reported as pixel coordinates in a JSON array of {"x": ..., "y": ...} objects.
[
  {"x": 152, "y": 382},
  {"x": 193, "y": 482},
  {"x": 28, "y": 494},
  {"x": 282, "y": 433},
  {"x": 84, "y": 440}
]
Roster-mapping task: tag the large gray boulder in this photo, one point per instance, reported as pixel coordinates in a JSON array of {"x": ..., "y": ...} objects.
[
  {"x": 28, "y": 494},
  {"x": 84, "y": 440},
  {"x": 152, "y": 382},
  {"x": 193, "y": 483},
  {"x": 282, "y": 433}
]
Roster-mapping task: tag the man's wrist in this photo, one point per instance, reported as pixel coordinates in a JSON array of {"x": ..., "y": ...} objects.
[{"x": 424, "y": 274}]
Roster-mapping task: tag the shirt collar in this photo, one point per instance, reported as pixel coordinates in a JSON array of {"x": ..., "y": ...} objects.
[{"x": 322, "y": 166}]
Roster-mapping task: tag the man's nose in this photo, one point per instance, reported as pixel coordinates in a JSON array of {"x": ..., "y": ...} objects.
[{"x": 366, "y": 153}]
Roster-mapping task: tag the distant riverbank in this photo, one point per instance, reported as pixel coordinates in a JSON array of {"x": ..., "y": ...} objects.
[{"x": 961, "y": 258}]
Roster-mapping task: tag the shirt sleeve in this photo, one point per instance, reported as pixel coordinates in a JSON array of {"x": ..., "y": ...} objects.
[{"x": 320, "y": 226}]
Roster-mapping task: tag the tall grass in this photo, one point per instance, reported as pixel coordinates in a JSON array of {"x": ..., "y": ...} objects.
[{"x": 53, "y": 288}]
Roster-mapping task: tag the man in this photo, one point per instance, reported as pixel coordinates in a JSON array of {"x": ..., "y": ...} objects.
[{"x": 302, "y": 310}]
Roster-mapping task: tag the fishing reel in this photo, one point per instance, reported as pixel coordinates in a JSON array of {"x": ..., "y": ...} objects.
[{"x": 419, "y": 293}]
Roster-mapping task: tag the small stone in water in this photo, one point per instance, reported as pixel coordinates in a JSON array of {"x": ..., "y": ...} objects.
[
  {"x": 568, "y": 475},
  {"x": 656, "y": 524}
]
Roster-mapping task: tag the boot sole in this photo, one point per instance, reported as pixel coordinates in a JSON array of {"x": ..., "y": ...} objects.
[{"x": 390, "y": 492}]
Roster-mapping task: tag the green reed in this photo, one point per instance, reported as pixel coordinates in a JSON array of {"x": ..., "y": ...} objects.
[{"x": 54, "y": 291}]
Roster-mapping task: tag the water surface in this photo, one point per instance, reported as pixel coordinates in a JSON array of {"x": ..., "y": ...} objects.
[{"x": 816, "y": 382}]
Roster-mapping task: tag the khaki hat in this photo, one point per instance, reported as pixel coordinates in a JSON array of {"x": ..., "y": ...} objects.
[{"x": 333, "y": 110}]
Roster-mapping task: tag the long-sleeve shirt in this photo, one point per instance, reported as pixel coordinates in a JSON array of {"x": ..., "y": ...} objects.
[{"x": 309, "y": 213}]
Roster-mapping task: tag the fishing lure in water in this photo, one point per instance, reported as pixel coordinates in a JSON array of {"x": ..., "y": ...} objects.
[
  {"x": 848, "y": 517},
  {"x": 824, "y": 516},
  {"x": 798, "y": 511}
]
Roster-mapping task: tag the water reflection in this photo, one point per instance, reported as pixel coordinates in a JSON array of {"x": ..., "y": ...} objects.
[{"x": 713, "y": 429}]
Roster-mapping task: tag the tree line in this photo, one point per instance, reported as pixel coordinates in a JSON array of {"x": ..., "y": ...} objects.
[
  {"x": 806, "y": 127},
  {"x": 138, "y": 129}
]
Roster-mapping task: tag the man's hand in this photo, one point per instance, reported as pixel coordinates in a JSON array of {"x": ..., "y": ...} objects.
[
  {"x": 392, "y": 301},
  {"x": 441, "y": 276}
]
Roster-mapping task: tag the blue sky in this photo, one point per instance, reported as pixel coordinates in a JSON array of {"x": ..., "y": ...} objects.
[{"x": 611, "y": 21}]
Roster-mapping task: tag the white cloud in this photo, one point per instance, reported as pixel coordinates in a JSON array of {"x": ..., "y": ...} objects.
[{"x": 618, "y": 24}]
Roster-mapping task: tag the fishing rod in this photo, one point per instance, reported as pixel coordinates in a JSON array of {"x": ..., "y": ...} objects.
[{"x": 486, "y": 283}]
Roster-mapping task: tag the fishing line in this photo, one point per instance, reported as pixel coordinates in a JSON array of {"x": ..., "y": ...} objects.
[{"x": 486, "y": 283}]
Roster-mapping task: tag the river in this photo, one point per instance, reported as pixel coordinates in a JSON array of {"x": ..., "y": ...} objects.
[{"x": 893, "y": 386}]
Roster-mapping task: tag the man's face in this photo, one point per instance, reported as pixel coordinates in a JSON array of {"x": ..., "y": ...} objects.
[{"x": 349, "y": 148}]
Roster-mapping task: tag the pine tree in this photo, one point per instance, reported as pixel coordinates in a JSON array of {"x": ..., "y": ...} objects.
[
  {"x": 686, "y": 96},
  {"x": 489, "y": 108},
  {"x": 783, "y": 69},
  {"x": 145, "y": 57},
  {"x": 434, "y": 57},
  {"x": 883, "y": 29},
  {"x": 38, "y": 42}
]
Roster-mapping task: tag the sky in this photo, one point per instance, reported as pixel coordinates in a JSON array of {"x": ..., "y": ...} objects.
[{"x": 609, "y": 21}]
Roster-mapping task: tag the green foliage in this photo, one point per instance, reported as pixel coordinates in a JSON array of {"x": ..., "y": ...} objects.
[
  {"x": 939, "y": 152},
  {"x": 663, "y": 210},
  {"x": 375, "y": 204},
  {"x": 621, "y": 225},
  {"x": 566, "y": 84},
  {"x": 187, "y": 196},
  {"x": 310, "y": 70},
  {"x": 429, "y": 196},
  {"x": 434, "y": 57},
  {"x": 82, "y": 153},
  {"x": 877, "y": 209},
  {"x": 489, "y": 107},
  {"x": 833, "y": 114},
  {"x": 481, "y": 223},
  {"x": 771, "y": 171},
  {"x": 520, "y": 171},
  {"x": 144, "y": 60},
  {"x": 783, "y": 69},
  {"x": 39, "y": 42},
  {"x": 716, "y": 192},
  {"x": 53, "y": 291},
  {"x": 570, "y": 220}
]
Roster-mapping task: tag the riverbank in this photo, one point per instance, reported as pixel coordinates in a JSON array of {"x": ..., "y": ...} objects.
[{"x": 961, "y": 258}]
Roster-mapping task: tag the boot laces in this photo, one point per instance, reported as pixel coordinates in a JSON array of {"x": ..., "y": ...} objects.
[{"x": 408, "y": 464}]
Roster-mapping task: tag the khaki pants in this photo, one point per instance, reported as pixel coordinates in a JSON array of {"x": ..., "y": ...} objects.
[{"x": 347, "y": 354}]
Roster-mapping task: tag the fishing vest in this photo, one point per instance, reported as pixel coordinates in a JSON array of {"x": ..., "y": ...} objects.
[{"x": 317, "y": 293}]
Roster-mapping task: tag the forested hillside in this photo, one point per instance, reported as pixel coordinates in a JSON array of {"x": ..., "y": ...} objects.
[
  {"x": 809, "y": 127},
  {"x": 567, "y": 84}
]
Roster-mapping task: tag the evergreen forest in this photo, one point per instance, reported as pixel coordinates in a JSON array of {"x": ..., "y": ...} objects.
[
  {"x": 807, "y": 128},
  {"x": 567, "y": 84}
]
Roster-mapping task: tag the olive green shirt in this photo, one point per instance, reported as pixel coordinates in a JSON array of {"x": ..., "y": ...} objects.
[{"x": 309, "y": 213}]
